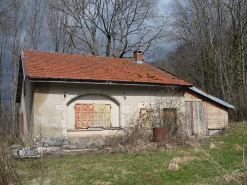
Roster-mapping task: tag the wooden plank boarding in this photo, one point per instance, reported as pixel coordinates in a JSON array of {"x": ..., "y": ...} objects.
[
  {"x": 200, "y": 120},
  {"x": 196, "y": 118},
  {"x": 78, "y": 115},
  {"x": 108, "y": 115},
  {"x": 188, "y": 118},
  {"x": 92, "y": 115}
]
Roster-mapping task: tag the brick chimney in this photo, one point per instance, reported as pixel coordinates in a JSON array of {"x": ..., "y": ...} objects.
[{"x": 138, "y": 56}]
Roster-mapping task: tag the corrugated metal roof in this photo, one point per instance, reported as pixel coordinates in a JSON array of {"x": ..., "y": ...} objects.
[{"x": 211, "y": 97}]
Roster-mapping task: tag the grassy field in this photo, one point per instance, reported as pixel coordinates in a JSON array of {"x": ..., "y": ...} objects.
[{"x": 145, "y": 167}]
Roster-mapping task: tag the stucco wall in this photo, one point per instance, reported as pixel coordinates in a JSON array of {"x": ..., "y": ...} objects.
[
  {"x": 26, "y": 108},
  {"x": 54, "y": 112}
]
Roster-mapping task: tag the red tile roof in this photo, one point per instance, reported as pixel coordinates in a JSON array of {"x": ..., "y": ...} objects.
[{"x": 39, "y": 64}]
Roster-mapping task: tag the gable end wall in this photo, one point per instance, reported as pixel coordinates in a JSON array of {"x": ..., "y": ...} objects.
[{"x": 217, "y": 115}]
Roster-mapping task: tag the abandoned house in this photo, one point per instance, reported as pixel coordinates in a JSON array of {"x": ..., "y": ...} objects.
[{"x": 74, "y": 97}]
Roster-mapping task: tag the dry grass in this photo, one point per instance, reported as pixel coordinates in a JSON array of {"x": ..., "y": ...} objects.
[
  {"x": 232, "y": 177},
  {"x": 185, "y": 159},
  {"x": 8, "y": 172},
  {"x": 173, "y": 167},
  {"x": 238, "y": 148},
  {"x": 212, "y": 145},
  {"x": 183, "y": 153}
]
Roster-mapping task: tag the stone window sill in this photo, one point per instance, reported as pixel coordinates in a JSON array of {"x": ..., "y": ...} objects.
[{"x": 92, "y": 129}]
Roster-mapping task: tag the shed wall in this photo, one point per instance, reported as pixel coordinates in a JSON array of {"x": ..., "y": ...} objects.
[{"x": 217, "y": 116}]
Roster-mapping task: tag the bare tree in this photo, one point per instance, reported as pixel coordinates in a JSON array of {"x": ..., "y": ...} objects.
[
  {"x": 35, "y": 25},
  {"x": 113, "y": 27},
  {"x": 11, "y": 22},
  {"x": 57, "y": 22},
  {"x": 15, "y": 48},
  {"x": 212, "y": 39}
]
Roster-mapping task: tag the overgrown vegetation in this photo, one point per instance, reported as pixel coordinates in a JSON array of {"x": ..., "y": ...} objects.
[
  {"x": 131, "y": 139},
  {"x": 138, "y": 136},
  {"x": 8, "y": 173},
  {"x": 221, "y": 164}
]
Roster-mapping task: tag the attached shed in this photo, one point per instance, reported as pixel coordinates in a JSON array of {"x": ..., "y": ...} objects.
[{"x": 205, "y": 114}]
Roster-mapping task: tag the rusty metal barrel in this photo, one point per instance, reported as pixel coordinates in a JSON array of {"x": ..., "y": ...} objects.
[{"x": 159, "y": 134}]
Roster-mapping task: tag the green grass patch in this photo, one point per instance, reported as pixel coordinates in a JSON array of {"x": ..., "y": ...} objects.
[{"x": 145, "y": 167}]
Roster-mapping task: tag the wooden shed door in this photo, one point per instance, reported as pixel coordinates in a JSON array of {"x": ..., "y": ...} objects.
[
  {"x": 199, "y": 116},
  {"x": 169, "y": 116},
  {"x": 196, "y": 121},
  {"x": 189, "y": 118}
]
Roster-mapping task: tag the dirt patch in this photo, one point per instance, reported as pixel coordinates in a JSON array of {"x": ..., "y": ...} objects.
[{"x": 185, "y": 159}]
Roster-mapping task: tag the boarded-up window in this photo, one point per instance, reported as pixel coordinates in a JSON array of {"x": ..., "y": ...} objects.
[
  {"x": 92, "y": 115},
  {"x": 107, "y": 115},
  {"x": 78, "y": 116},
  {"x": 145, "y": 118},
  {"x": 96, "y": 115},
  {"x": 102, "y": 114}
]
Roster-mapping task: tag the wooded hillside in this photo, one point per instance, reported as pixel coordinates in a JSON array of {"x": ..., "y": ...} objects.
[{"x": 211, "y": 36}]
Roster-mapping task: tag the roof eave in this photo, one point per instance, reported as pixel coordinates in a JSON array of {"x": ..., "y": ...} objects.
[
  {"x": 212, "y": 98},
  {"x": 79, "y": 80},
  {"x": 23, "y": 65}
]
